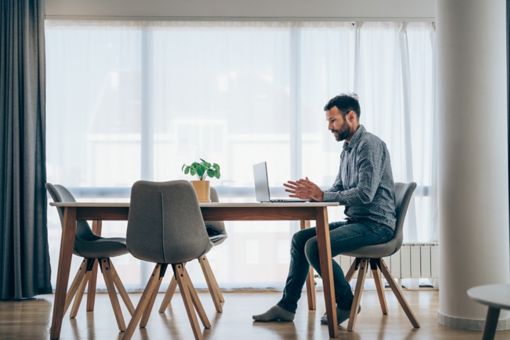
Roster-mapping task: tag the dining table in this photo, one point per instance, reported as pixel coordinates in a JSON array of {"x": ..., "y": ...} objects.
[{"x": 305, "y": 212}]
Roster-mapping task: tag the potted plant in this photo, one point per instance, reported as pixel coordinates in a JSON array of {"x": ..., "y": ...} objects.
[{"x": 202, "y": 170}]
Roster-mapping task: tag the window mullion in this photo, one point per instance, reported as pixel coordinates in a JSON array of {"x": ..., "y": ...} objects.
[
  {"x": 295, "y": 105},
  {"x": 146, "y": 121},
  {"x": 146, "y": 114}
]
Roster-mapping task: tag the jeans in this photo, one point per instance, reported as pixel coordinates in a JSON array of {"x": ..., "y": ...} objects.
[{"x": 345, "y": 236}]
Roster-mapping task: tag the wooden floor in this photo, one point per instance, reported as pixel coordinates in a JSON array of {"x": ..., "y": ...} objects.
[{"x": 30, "y": 320}]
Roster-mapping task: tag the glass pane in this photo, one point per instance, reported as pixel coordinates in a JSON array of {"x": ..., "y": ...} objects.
[
  {"x": 327, "y": 69},
  {"x": 221, "y": 93}
]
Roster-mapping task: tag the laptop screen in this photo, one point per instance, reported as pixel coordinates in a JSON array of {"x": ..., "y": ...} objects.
[{"x": 261, "y": 182}]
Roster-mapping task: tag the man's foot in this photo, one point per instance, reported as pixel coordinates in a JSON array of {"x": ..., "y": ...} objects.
[
  {"x": 341, "y": 315},
  {"x": 275, "y": 313}
]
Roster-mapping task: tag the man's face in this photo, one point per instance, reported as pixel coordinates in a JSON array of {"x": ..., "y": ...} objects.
[{"x": 337, "y": 124}]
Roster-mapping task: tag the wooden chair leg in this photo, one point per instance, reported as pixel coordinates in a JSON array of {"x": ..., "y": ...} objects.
[
  {"x": 148, "y": 309},
  {"x": 196, "y": 301},
  {"x": 310, "y": 290},
  {"x": 79, "y": 295},
  {"x": 218, "y": 290},
  {"x": 78, "y": 279},
  {"x": 215, "y": 282},
  {"x": 310, "y": 280},
  {"x": 379, "y": 286},
  {"x": 91, "y": 290},
  {"x": 168, "y": 295},
  {"x": 181, "y": 281},
  {"x": 144, "y": 300},
  {"x": 363, "y": 265},
  {"x": 122, "y": 291},
  {"x": 107, "y": 274},
  {"x": 352, "y": 270},
  {"x": 211, "y": 283},
  {"x": 398, "y": 293}
]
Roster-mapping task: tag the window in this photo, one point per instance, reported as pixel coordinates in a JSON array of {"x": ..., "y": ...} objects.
[{"x": 133, "y": 100}]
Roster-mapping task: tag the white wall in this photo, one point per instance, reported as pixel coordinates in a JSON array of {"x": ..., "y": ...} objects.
[{"x": 348, "y": 9}]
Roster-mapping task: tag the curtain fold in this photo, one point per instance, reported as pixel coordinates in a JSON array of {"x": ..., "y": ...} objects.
[
  {"x": 24, "y": 257},
  {"x": 411, "y": 231}
]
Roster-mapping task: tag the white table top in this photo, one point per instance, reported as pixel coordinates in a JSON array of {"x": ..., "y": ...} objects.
[
  {"x": 205, "y": 205},
  {"x": 495, "y": 295}
]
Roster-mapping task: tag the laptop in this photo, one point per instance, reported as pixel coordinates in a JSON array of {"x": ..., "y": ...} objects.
[{"x": 262, "y": 193}]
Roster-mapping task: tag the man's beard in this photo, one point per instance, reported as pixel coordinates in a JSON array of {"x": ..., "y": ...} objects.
[{"x": 343, "y": 133}]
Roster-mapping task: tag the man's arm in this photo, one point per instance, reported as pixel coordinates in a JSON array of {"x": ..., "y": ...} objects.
[{"x": 369, "y": 166}]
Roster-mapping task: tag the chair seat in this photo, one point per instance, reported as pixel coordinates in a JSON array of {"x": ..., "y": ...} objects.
[
  {"x": 216, "y": 232},
  {"x": 102, "y": 247},
  {"x": 217, "y": 239},
  {"x": 375, "y": 250}
]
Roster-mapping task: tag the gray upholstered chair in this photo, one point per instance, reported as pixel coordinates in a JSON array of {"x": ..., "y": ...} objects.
[
  {"x": 372, "y": 256},
  {"x": 92, "y": 247},
  {"x": 165, "y": 226},
  {"x": 217, "y": 234}
]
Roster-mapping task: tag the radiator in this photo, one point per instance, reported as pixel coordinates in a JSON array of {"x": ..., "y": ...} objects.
[{"x": 412, "y": 261}]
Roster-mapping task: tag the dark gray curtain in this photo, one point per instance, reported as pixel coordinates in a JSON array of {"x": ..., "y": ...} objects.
[{"x": 24, "y": 257}]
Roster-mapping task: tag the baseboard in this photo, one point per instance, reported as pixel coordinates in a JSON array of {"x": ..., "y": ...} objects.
[{"x": 470, "y": 324}]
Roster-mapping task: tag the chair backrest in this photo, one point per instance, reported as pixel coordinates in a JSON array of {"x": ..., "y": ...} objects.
[
  {"x": 165, "y": 224},
  {"x": 403, "y": 194},
  {"x": 60, "y": 194},
  {"x": 217, "y": 226}
]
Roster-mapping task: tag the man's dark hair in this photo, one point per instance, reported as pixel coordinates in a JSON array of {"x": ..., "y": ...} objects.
[{"x": 344, "y": 103}]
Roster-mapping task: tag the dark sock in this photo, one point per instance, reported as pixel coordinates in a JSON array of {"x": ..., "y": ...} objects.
[{"x": 275, "y": 313}]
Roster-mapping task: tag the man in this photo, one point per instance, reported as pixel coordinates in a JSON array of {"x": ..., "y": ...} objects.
[{"x": 365, "y": 186}]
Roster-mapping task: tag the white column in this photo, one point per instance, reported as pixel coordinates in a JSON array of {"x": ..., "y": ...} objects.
[{"x": 473, "y": 167}]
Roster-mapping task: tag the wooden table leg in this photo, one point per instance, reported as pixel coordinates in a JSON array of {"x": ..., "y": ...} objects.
[
  {"x": 324, "y": 245},
  {"x": 310, "y": 282},
  {"x": 91, "y": 290},
  {"x": 64, "y": 265},
  {"x": 491, "y": 322}
]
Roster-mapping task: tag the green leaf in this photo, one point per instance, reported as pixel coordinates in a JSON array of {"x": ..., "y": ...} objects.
[
  {"x": 200, "y": 172},
  {"x": 205, "y": 163},
  {"x": 202, "y": 169}
]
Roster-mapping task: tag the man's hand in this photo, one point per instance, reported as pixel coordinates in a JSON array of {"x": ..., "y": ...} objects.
[{"x": 304, "y": 189}]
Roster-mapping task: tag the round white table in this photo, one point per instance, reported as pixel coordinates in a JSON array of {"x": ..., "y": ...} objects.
[{"x": 497, "y": 297}]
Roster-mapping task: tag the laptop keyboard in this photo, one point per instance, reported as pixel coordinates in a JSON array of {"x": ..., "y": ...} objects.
[{"x": 283, "y": 200}]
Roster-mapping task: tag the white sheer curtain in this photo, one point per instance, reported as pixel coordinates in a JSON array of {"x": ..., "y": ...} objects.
[
  {"x": 391, "y": 68},
  {"x": 131, "y": 100}
]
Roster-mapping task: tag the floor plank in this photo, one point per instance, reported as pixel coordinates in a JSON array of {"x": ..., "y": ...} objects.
[{"x": 31, "y": 320}]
